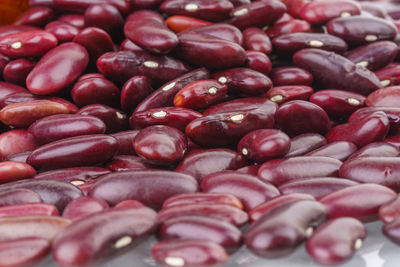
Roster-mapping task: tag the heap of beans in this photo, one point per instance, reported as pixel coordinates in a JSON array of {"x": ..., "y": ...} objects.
[{"x": 210, "y": 123}]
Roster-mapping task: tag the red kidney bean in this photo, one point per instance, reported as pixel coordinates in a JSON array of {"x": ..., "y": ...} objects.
[
  {"x": 106, "y": 17},
  {"x": 164, "y": 96},
  {"x": 271, "y": 204},
  {"x": 18, "y": 157},
  {"x": 103, "y": 233},
  {"x": 183, "y": 200},
  {"x": 249, "y": 189},
  {"x": 251, "y": 169},
  {"x": 16, "y": 141},
  {"x": 11, "y": 170},
  {"x": 257, "y": 14},
  {"x": 18, "y": 196},
  {"x": 181, "y": 23},
  {"x": 10, "y": 29},
  {"x": 89, "y": 76},
  {"x": 390, "y": 211},
  {"x": 331, "y": 70},
  {"x": 23, "y": 251},
  {"x": 339, "y": 150},
  {"x": 19, "y": 97},
  {"x": 224, "y": 213},
  {"x": 265, "y": 144},
  {"x": 282, "y": 94},
  {"x": 385, "y": 97},
  {"x": 74, "y": 152},
  {"x": 290, "y": 76},
  {"x": 134, "y": 91},
  {"x": 57, "y": 127},
  {"x": 17, "y": 70},
  {"x": 80, "y": 6},
  {"x": 160, "y": 145},
  {"x": 370, "y": 129},
  {"x": 291, "y": 43},
  {"x": 200, "y": 94},
  {"x": 280, "y": 171},
  {"x": 24, "y": 114},
  {"x": 128, "y": 162},
  {"x": 392, "y": 113},
  {"x": 28, "y": 209},
  {"x": 125, "y": 141},
  {"x": 201, "y": 228},
  {"x": 36, "y": 16},
  {"x": 150, "y": 187},
  {"x": 336, "y": 241},
  {"x": 389, "y": 75},
  {"x": 358, "y": 30},
  {"x": 255, "y": 39},
  {"x": 75, "y": 175},
  {"x": 115, "y": 119},
  {"x": 130, "y": 203},
  {"x": 377, "y": 149},
  {"x": 123, "y": 65},
  {"x": 280, "y": 231},
  {"x": 391, "y": 230},
  {"x": 259, "y": 62},
  {"x": 55, "y": 71},
  {"x": 316, "y": 186},
  {"x": 304, "y": 143},
  {"x": 213, "y": 10},
  {"x": 374, "y": 9},
  {"x": 321, "y": 12},
  {"x": 72, "y": 108},
  {"x": 3, "y": 63},
  {"x": 64, "y": 32},
  {"x": 76, "y": 20},
  {"x": 242, "y": 104},
  {"x": 288, "y": 27},
  {"x": 359, "y": 201},
  {"x": 294, "y": 7},
  {"x": 145, "y": 4},
  {"x": 84, "y": 206},
  {"x": 374, "y": 56},
  {"x": 189, "y": 253},
  {"x": 221, "y": 31},
  {"x": 148, "y": 30}
]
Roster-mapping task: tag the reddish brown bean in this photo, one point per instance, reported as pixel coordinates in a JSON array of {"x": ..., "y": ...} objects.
[
  {"x": 80, "y": 6},
  {"x": 36, "y": 16},
  {"x": 304, "y": 143},
  {"x": 289, "y": 27},
  {"x": 181, "y": 23},
  {"x": 128, "y": 162},
  {"x": 84, "y": 206},
  {"x": 10, "y": 29},
  {"x": 16, "y": 141},
  {"x": 255, "y": 39},
  {"x": 106, "y": 17},
  {"x": 377, "y": 149},
  {"x": 75, "y": 175},
  {"x": 242, "y": 104},
  {"x": 11, "y": 170},
  {"x": 221, "y": 31},
  {"x": 134, "y": 91},
  {"x": 340, "y": 150},
  {"x": 258, "y": 61},
  {"x": 64, "y": 32},
  {"x": 203, "y": 199},
  {"x": 389, "y": 75},
  {"x": 290, "y": 76},
  {"x": 28, "y": 209},
  {"x": 18, "y": 196},
  {"x": 282, "y": 94},
  {"x": 76, "y": 20},
  {"x": 125, "y": 141},
  {"x": 17, "y": 70},
  {"x": 385, "y": 97},
  {"x": 393, "y": 114}
]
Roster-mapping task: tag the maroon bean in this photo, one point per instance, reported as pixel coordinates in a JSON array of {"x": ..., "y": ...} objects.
[
  {"x": 10, "y": 29},
  {"x": 258, "y": 61},
  {"x": 150, "y": 187},
  {"x": 249, "y": 189},
  {"x": 336, "y": 241},
  {"x": 127, "y": 162},
  {"x": 28, "y": 209},
  {"x": 134, "y": 91},
  {"x": 331, "y": 70},
  {"x": 36, "y": 16},
  {"x": 359, "y": 201},
  {"x": 19, "y": 97},
  {"x": 374, "y": 9},
  {"x": 280, "y": 231},
  {"x": 16, "y": 141},
  {"x": 391, "y": 230},
  {"x": 289, "y": 27},
  {"x": 377, "y": 149},
  {"x": 385, "y": 97},
  {"x": 76, "y": 20},
  {"x": 294, "y": 7},
  {"x": 390, "y": 211},
  {"x": 242, "y": 104},
  {"x": 251, "y": 169},
  {"x": 305, "y": 143},
  {"x": 64, "y": 32},
  {"x": 83, "y": 206},
  {"x": 255, "y": 39},
  {"x": 201, "y": 228},
  {"x": 128, "y": 45},
  {"x": 189, "y": 253},
  {"x": 203, "y": 199},
  {"x": 392, "y": 113},
  {"x": 389, "y": 75},
  {"x": 146, "y": 4},
  {"x": 76, "y": 175},
  {"x": 80, "y": 6},
  {"x": 280, "y": 171},
  {"x": 222, "y": 31},
  {"x": 17, "y": 71},
  {"x": 11, "y": 170},
  {"x": 106, "y": 17},
  {"x": 125, "y": 141},
  {"x": 103, "y": 233},
  {"x": 18, "y": 157},
  {"x": 339, "y": 150},
  {"x": 18, "y": 196},
  {"x": 3, "y": 63},
  {"x": 290, "y": 76},
  {"x": 282, "y": 94}
]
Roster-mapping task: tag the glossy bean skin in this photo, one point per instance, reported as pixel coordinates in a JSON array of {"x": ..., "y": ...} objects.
[
  {"x": 289, "y": 27},
  {"x": 64, "y": 32},
  {"x": 145, "y": 4},
  {"x": 203, "y": 199},
  {"x": 84, "y": 206},
  {"x": 389, "y": 75},
  {"x": 28, "y": 209},
  {"x": 363, "y": 29},
  {"x": 273, "y": 203},
  {"x": 290, "y": 76},
  {"x": 340, "y": 150},
  {"x": 37, "y": 16},
  {"x": 224, "y": 213},
  {"x": 376, "y": 149},
  {"x": 106, "y": 17},
  {"x": 331, "y": 70},
  {"x": 367, "y": 55},
  {"x": 160, "y": 145},
  {"x": 10, "y": 29},
  {"x": 323, "y": 245},
  {"x": 370, "y": 129},
  {"x": 11, "y": 171},
  {"x": 392, "y": 113},
  {"x": 80, "y": 6},
  {"x": 76, "y": 20},
  {"x": 17, "y": 70},
  {"x": 255, "y": 39},
  {"x": 147, "y": 186},
  {"x": 74, "y": 175},
  {"x": 18, "y": 157},
  {"x": 16, "y": 141},
  {"x": 385, "y": 97},
  {"x": 293, "y": 42},
  {"x": 57, "y": 127},
  {"x": 222, "y": 31},
  {"x": 281, "y": 230},
  {"x": 18, "y": 196},
  {"x": 359, "y": 201},
  {"x": 148, "y": 30},
  {"x": 3, "y": 62},
  {"x": 180, "y": 23},
  {"x": 125, "y": 141},
  {"x": 46, "y": 77},
  {"x": 391, "y": 230},
  {"x": 239, "y": 185},
  {"x": 128, "y": 162},
  {"x": 19, "y": 97},
  {"x": 304, "y": 143},
  {"x": 134, "y": 91},
  {"x": 242, "y": 104},
  {"x": 80, "y": 243},
  {"x": 211, "y": 254},
  {"x": 201, "y": 228},
  {"x": 258, "y": 61},
  {"x": 282, "y": 94},
  {"x": 280, "y": 171},
  {"x": 390, "y": 211}
]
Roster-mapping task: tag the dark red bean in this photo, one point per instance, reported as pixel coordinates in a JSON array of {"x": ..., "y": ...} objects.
[
  {"x": 377, "y": 149},
  {"x": 359, "y": 201},
  {"x": 280, "y": 171},
  {"x": 146, "y": 4},
  {"x": 242, "y": 104},
  {"x": 18, "y": 157},
  {"x": 76, "y": 20},
  {"x": 255, "y": 39},
  {"x": 282, "y": 94},
  {"x": 17, "y": 70},
  {"x": 374, "y": 9},
  {"x": 28, "y": 209},
  {"x": 125, "y": 141},
  {"x": 151, "y": 188},
  {"x": 134, "y": 91},
  {"x": 80, "y": 6},
  {"x": 221, "y": 31},
  {"x": 385, "y": 97},
  {"x": 180, "y": 23},
  {"x": 280, "y": 231},
  {"x": 203, "y": 199},
  {"x": 288, "y": 27},
  {"x": 86, "y": 239},
  {"x": 10, "y": 29},
  {"x": 106, "y": 17},
  {"x": 64, "y": 32},
  {"x": 390, "y": 211},
  {"x": 36, "y": 16},
  {"x": 336, "y": 241},
  {"x": 251, "y": 169},
  {"x": 393, "y": 114},
  {"x": 294, "y": 7},
  {"x": 304, "y": 143},
  {"x": 3, "y": 62},
  {"x": 19, "y": 97},
  {"x": 18, "y": 196},
  {"x": 16, "y": 141},
  {"x": 258, "y": 61},
  {"x": 290, "y": 76},
  {"x": 389, "y": 75},
  {"x": 11, "y": 171},
  {"x": 130, "y": 203},
  {"x": 128, "y": 162},
  {"x": 340, "y": 150},
  {"x": 84, "y": 206}
]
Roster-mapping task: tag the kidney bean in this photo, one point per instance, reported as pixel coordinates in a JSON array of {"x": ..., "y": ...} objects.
[
  {"x": 282, "y": 94},
  {"x": 80, "y": 6},
  {"x": 336, "y": 241},
  {"x": 304, "y": 143},
  {"x": 28, "y": 209},
  {"x": 150, "y": 187},
  {"x": 106, "y": 17},
  {"x": 18, "y": 157},
  {"x": 290, "y": 76},
  {"x": 26, "y": 251},
  {"x": 363, "y": 29},
  {"x": 340, "y": 150},
  {"x": 367, "y": 130},
  {"x": 331, "y": 70},
  {"x": 359, "y": 201},
  {"x": 390, "y": 211},
  {"x": 377, "y": 149},
  {"x": 115, "y": 119},
  {"x": 257, "y": 14},
  {"x": 123, "y": 65},
  {"x": 75, "y": 175},
  {"x": 130, "y": 203},
  {"x": 64, "y": 32},
  {"x": 125, "y": 141},
  {"x": 17, "y": 70},
  {"x": 264, "y": 144},
  {"x": 19, "y": 97},
  {"x": 3, "y": 63},
  {"x": 181, "y": 23},
  {"x": 251, "y": 169},
  {"x": 134, "y": 91},
  {"x": 18, "y": 196},
  {"x": 258, "y": 61},
  {"x": 389, "y": 75},
  {"x": 10, "y": 29},
  {"x": 36, "y": 16},
  {"x": 128, "y": 45},
  {"x": 76, "y": 20},
  {"x": 201, "y": 228},
  {"x": 385, "y": 97},
  {"x": 280, "y": 171},
  {"x": 242, "y": 104},
  {"x": 222, "y": 31},
  {"x": 84, "y": 206},
  {"x": 128, "y": 162},
  {"x": 183, "y": 200},
  {"x": 145, "y": 4},
  {"x": 189, "y": 253},
  {"x": 16, "y": 141},
  {"x": 255, "y": 39},
  {"x": 119, "y": 228},
  {"x": 374, "y": 9},
  {"x": 273, "y": 203},
  {"x": 72, "y": 108},
  {"x": 281, "y": 230},
  {"x": 240, "y": 185},
  {"x": 288, "y": 27},
  {"x": 391, "y": 230},
  {"x": 11, "y": 170},
  {"x": 74, "y": 152},
  {"x": 392, "y": 113},
  {"x": 294, "y": 7}
]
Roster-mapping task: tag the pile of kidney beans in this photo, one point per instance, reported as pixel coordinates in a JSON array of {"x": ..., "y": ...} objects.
[{"x": 209, "y": 123}]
